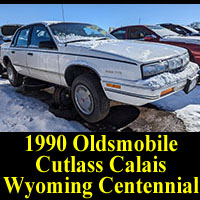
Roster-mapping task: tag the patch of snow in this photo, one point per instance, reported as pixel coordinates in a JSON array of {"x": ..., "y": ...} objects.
[
  {"x": 25, "y": 114},
  {"x": 63, "y": 38},
  {"x": 186, "y": 107},
  {"x": 136, "y": 50}
]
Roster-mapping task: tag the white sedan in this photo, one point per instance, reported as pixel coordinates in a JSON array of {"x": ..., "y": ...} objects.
[{"x": 92, "y": 67}]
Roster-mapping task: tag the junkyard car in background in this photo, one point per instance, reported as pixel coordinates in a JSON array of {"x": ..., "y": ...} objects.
[
  {"x": 181, "y": 29},
  {"x": 96, "y": 67},
  {"x": 152, "y": 33},
  {"x": 6, "y": 33}
]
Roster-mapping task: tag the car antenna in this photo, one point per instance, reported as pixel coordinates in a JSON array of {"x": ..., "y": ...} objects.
[
  {"x": 139, "y": 21},
  {"x": 63, "y": 13}
]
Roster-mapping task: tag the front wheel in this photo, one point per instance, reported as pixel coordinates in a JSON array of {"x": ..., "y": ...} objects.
[
  {"x": 89, "y": 98},
  {"x": 14, "y": 78}
]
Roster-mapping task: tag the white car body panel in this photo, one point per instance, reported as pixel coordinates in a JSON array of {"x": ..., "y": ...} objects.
[{"x": 19, "y": 58}]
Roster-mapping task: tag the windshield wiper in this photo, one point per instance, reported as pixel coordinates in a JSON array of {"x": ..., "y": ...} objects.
[
  {"x": 171, "y": 35},
  {"x": 74, "y": 41},
  {"x": 104, "y": 38}
]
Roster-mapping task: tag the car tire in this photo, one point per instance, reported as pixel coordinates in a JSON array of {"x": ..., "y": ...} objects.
[
  {"x": 62, "y": 96},
  {"x": 1, "y": 69},
  {"x": 89, "y": 98},
  {"x": 14, "y": 78}
]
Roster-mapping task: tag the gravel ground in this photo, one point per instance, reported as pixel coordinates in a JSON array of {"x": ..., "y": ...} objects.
[{"x": 154, "y": 120}]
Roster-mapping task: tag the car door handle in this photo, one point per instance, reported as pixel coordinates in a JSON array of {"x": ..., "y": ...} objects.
[
  {"x": 30, "y": 54},
  {"x": 12, "y": 52}
]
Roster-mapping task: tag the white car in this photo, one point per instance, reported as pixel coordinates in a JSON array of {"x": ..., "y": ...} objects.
[
  {"x": 96, "y": 67},
  {"x": 6, "y": 33}
]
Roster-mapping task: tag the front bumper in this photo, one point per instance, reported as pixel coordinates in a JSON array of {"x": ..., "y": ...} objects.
[{"x": 141, "y": 92}]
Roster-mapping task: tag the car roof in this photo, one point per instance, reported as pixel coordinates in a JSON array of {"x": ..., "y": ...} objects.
[
  {"x": 128, "y": 26},
  {"x": 48, "y": 23}
]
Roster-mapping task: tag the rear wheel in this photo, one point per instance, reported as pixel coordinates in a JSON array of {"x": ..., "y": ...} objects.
[
  {"x": 89, "y": 98},
  {"x": 62, "y": 96},
  {"x": 14, "y": 78}
]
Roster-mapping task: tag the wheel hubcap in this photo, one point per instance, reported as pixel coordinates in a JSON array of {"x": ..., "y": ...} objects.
[
  {"x": 84, "y": 99},
  {"x": 10, "y": 74}
]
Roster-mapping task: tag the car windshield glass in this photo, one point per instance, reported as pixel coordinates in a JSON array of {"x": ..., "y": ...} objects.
[
  {"x": 161, "y": 31},
  {"x": 66, "y": 32},
  {"x": 190, "y": 29}
]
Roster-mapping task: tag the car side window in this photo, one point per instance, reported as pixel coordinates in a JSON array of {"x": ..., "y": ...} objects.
[
  {"x": 136, "y": 33},
  {"x": 39, "y": 34},
  {"x": 14, "y": 41},
  {"x": 120, "y": 34},
  {"x": 22, "y": 40}
]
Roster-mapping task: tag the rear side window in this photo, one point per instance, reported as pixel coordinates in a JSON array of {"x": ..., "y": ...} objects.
[
  {"x": 135, "y": 33},
  {"x": 39, "y": 34},
  {"x": 22, "y": 40},
  {"x": 120, "y": 34}
]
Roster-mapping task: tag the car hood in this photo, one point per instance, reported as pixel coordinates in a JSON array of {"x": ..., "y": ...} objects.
[
  {"x": 137, "y": 51},
  {"x": 183, "y": 39}
]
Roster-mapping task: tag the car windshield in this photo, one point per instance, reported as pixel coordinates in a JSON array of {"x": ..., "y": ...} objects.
[
  {"x": 190, "y": 29},
  {"x": 162, "y": 32},
  {"x": 66, "y": 32}
]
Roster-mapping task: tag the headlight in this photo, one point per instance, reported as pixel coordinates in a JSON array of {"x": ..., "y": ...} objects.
[
  {"x": 165, "y": 66},
  {"x": 186, "y": 59},
  {"x": 181, "y": 61},
  {"x": 153, "y": 69},
  {"x": 175, "y": 63}
]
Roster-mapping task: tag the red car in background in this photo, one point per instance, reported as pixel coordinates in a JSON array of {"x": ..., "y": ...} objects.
[{"x": 160, "y": 34}]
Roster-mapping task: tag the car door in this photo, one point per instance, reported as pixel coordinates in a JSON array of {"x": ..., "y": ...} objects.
[
  {"x": 42, "y": 62},
  {"x": 141, "y": 33},
  {"x": 18, "y": 51}
]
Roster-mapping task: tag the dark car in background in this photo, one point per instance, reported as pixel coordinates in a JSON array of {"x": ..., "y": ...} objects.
[
  {"x": 156, "y": 33},
  {"x": 6, "y": 33},
  {"x": 181, "y": 29}
]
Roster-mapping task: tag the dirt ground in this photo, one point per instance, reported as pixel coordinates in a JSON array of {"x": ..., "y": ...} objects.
[
  {"x": 122, "y": 118},
  {"x": 153, "y": 120}
]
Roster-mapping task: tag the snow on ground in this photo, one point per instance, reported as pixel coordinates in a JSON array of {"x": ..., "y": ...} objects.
[
  {"x": 24, "y": 114},
  {"x": 187, "y": 108}
]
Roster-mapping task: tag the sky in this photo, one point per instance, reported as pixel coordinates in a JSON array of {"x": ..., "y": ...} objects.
[{"x": 103, "y": 15}]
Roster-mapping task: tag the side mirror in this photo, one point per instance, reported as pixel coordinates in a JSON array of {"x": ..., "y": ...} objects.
[
  {"x": 47, "y": 45},
  {"x": 150, "y": 37},
  {"x": 5, "y": 39}
]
